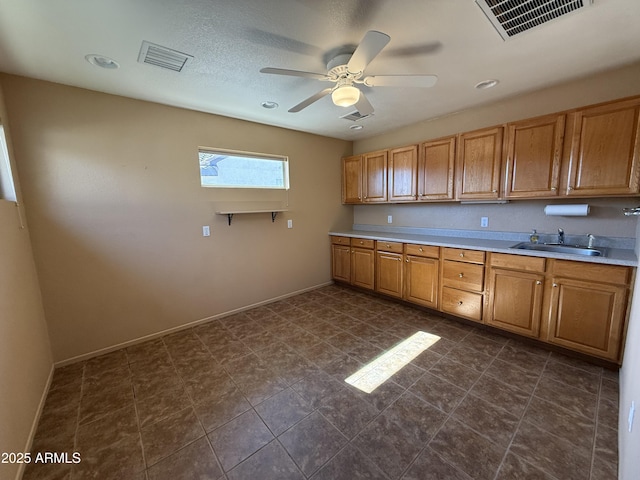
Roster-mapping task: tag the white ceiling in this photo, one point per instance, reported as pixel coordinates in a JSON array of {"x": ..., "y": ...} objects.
[{"x": 231, "y": 40}]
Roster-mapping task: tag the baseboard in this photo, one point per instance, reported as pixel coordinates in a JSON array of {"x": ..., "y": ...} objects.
[
  {"x": 36, "y": 420},
  {"x": 129, "y": 343}
]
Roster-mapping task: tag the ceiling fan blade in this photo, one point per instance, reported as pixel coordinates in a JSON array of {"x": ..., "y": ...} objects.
[
  {"x": 363, "y": 106},
  {"x": 295, "y": 73},
  {"x": 370, "y": 46},
  {"x": 310, "y": 100},
  {"x": 401, "y": 81}
]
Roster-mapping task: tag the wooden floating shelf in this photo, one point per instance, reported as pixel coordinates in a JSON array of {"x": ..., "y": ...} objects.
[{"x": 231, "y": 213}]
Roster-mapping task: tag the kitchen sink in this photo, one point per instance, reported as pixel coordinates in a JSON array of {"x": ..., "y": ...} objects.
[{"x": 560, "y": 248}]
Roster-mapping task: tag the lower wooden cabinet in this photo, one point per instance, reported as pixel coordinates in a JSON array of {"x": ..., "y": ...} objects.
[
  {"x": 462, "y": 292},
  {"x": 515, "y": 293},
  {"x": 421, "y": 275},
  {"x": 353, "y": 261},
  {"x": 341, "y": 262},
  {"x": 515, "y": 301},
  {"x": 389, "y": 274},
  {"x": 588, "y": 308}
]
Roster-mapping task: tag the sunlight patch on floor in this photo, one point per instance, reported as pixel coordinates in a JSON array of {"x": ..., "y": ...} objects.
[{"x": 375, "y": 373}]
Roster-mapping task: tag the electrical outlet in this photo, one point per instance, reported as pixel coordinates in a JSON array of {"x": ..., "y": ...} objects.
[
  {"x": 206, "y": 231},
  {"x": 484, "y": 222},
  {"x": 289, "y": 223},
  {"x": 390, "y": 219}
]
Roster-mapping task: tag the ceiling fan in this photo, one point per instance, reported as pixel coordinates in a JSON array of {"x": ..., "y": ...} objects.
[{"x": 347, "y": 69}]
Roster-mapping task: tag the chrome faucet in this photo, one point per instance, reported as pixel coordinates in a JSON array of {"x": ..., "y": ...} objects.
[
  {"x": 561, "y": 236},
  {"x": 590, "y": 240}
]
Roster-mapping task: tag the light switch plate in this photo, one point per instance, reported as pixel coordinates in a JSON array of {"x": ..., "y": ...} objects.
[{"x": 206, "y": 231}]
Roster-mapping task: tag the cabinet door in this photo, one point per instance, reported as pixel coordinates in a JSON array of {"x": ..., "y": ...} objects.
[
  {"x": 362, "y": 267},
  {"x": 534, "y": 151},
  {"x": 389, "y": 274},
  {"x": 478, "y": 163},
  {"x": 352, "y": 179},
  {"x": 341, "y": 262},
  {"x": 421, "y": 280},
  {"x": 435, "y": 169},
  {"x": 515, "y": 301},
  {"x": 587, "y": 317},
  {"x": 604, "y": 150},
  {"x": 375, "y": 177},
  {"x": 403, "y": 168}
]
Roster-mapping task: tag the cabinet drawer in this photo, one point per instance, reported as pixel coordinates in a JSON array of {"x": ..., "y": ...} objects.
[
  {"x": 422, "y": 250},
  {"x": 362, "y": 243},
  {"x": 394, "y": 247},
  {"x": 464, "y": 276},
  {"x": 616, "y": 274},
  {"x": 517, "y": 262},
  {"x": 463, "y": 304},
  {"x": 340, "y": 240},
  {"x": 463, "y": 255}
]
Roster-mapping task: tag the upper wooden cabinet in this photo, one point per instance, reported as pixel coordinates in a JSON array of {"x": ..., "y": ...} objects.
[
  {"x": 479, "y": 158},
  {"x": 435, "y": 169},
  {"x": 374, "y": 167},
  {"x": 364, "y": 178},
  {"x": 352, "y": 179},
  {"x": 604, "y": 150},
  {"x": 587, "y": 152},
  {"x": 403, "y": 169},
  {"x": 532, "y": 159}
]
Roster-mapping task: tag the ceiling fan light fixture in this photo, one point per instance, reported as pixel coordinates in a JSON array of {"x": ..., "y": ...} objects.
[{"x": 345, "y": 96}]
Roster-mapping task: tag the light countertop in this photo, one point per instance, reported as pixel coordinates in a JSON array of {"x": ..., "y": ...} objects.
[{"x": 613, "y": 256}]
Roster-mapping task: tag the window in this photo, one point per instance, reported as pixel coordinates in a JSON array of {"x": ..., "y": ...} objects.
[
  {"x": 7, "y": 189},
  {"x": 230, "y": 169}
]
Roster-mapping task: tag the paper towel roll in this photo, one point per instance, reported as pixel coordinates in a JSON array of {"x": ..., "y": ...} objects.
[{"x": 567, "y": 210}]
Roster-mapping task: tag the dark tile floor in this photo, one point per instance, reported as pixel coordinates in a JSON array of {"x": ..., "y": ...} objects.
[{"x": 261, "y": 395}]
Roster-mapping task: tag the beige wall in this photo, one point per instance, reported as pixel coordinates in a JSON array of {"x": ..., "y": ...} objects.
[
  {"x": 113, "y": 198},
  {"x": 25, "y": 353}
]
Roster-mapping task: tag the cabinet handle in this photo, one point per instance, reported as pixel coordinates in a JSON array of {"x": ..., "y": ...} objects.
[
  {"x": 420, "y": 249},
  {"x": 388, "y": 246},
  {"x": 361, "y": 242},
  {"x": 553, "y": 189},
  {"x": 555, "y": 285},
  {"x": 462, "y": 254},
  {"x": 494, "y": 191},
  {"x": 538, "y": 282},
  {"x": 461, "y": 275},
  {"x": 569, "y": 188},
  {"x": 460, "y": 302},
  {"x": 407, "y": 260}
]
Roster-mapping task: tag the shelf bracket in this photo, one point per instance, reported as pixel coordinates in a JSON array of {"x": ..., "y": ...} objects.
[{"x": 229, "y": 217}]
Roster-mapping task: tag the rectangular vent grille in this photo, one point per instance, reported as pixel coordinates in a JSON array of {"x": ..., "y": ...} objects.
[
  {"x": 162, "y": 57},
  {"x": 355, "y": 116},
  {"x": 511, "y": 17}
]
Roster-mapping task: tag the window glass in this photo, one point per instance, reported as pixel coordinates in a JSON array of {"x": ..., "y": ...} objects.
[
  {"x": 7, "y": 189},
  {"x": 227, "y": 169}
]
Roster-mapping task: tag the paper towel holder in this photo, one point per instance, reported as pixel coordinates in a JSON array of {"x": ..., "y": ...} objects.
[{"x": 571, "y": 210}]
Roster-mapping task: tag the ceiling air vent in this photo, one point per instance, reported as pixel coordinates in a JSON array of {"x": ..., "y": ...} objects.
[
  {"x": 163, "y": 57},
  {"x": 355, "y": 116},
  {"x": 511, "y": 17}
]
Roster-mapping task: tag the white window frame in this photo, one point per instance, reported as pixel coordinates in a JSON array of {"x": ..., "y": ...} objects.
[{"x": 247, "y": 155}]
